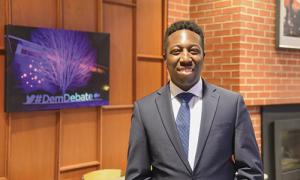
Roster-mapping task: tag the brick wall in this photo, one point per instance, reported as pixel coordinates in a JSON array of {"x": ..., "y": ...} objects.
[
  {"x": 255, "y": 114},
  {"x": 178, "y": 10}
]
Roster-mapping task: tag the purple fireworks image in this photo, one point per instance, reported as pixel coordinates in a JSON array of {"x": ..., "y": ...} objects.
[{"x": 55, "y": 61}]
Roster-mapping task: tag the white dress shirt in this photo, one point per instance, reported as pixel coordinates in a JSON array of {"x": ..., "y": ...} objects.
[{"x": 195, "y": 105}]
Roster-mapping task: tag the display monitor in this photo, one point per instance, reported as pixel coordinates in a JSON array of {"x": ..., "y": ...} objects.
[{"x": 55, "y": 68}]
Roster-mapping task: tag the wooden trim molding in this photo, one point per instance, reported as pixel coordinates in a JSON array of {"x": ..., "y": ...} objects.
[
  {"x": 128, "y": 4},
  {"x": 8, "y": 153},
  {"x": 59, "y": 14},
  {"x": 8, "y": 11},
  {"x": 110, "y": 107},
  {"x": 99, "y": 131},
  {"x": 3, "y": 178},
  {"x": 99, "y": 16},
  {"x": 165, "y": 26},
  {"x": 79, "y": 166},
  {"x": 58, "y": 143},
  {"x": 2, "y": 51},
  {"x": 146, "y": 57}
]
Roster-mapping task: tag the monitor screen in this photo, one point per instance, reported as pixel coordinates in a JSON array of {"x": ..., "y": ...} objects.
[{"x": 55, "y": 68}]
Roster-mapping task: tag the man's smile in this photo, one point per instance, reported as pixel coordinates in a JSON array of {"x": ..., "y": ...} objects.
[{"x": 186, "y": 70}]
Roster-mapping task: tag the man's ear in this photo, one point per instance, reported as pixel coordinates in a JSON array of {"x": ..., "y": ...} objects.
[{"x": 164, "y": 56}]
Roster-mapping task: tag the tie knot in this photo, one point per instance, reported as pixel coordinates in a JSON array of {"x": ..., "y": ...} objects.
[{"x": 185, "y": 97}]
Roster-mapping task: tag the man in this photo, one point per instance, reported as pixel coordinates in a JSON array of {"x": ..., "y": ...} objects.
[{"x": 190, "y": 129}]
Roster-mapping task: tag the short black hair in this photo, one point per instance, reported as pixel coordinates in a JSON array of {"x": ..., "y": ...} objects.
[{"x": 179, "y": 25}]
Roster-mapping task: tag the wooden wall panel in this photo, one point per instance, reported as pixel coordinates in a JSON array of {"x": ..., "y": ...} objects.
[
  {"x": 80, "y": 15},
  {"x": 115, "y": 127},
  {"x": 34, "y": 12},
  {"x": 76, "y": 174},
  {"x": 149, "y": 77},
  {"x": 149, "y": 27},
  {"x": 3, "y": 146},
  {"x": 3, "y": 123},
  {"x": 32, "y": 146},
  {"x": 79, "y": 142},
  {"x": 68, "y": 143},
  {"x": 118, "y": 22},
  {"x": 2, "y": 22}
]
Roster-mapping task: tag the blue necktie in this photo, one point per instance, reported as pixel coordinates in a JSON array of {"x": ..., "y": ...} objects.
[{"x": 183, "y": 120}]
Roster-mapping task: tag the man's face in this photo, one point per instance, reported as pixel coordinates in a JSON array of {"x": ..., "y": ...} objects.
[{"x": 184, "y": 58}]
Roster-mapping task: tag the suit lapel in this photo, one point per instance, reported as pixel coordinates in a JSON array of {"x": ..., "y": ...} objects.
[
  {"x": 163, "y": 102},
  {"x": 209, "y": 106}
]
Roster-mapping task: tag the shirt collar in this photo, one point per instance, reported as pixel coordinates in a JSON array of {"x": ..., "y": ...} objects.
[{"x": 196, "y": 89}]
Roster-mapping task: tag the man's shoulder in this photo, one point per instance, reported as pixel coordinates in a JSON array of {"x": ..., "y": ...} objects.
[{"x": 152, "y": 96}]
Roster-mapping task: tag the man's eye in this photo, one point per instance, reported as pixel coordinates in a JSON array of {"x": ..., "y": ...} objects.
[
  {"x": 195, "y": 51},
  {"x": 175, "y": 51}
]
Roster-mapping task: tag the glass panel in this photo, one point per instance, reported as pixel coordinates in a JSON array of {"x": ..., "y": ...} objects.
[{"x": 290, "y": 150}]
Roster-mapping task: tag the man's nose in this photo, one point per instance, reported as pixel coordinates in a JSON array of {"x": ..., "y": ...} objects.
[{"x": 185, "y": 55}]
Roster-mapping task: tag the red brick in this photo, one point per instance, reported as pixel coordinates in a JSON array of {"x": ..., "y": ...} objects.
[
  {"x": 223, "y": 46},
  {"x": 222, "y": 18},
  {"x": 232, "y": 25},
  {"x": 204, "y": 7},
  {"x": 232, "y": 10},
  {"x": 214, "y": 12},
  {"x": 258, "y": 74},
  {"x": 263, "y": 27},
  {"x": 222, "y": 33},
  {"x": 271, "y": 7},
  {"x": 269, "y": 21},
  {"x": 258, "y": 47},
  {"x": 252, "y": 39},
  {"x": 252, "y": 11},
  {"x": 264, "y": 81},
  {"x": 214, "y": 53},
  {"x": 213, "y": 40},
  {"x": 196, "y": 14},
  {"x": 251, "y": 25},
  {"x": 212, "y": 67},
  {"x": 222, "y": 4},
  {"x": 182, "y": 8},
  {"x": 231, "y": 81},
  {"x": 242, "y": 17},
  {"x": 213, "y": 27},
  {"x": 252, "y": 81},
  {"x": 252, "y": 95},
  {"x": 242, "y": 31},
  {"x": 221, "y": 74},
  {"x": 258, "y": 60},
  {"x": 221, "y": 60},
  {"x": 264, "y": 13},
  {"x": 258, "y": 33},
  {"x": 230, "y": 67},
  {"x": 231, "y": 52},
  {"x": 252, "y": 53},
  {"x": 259, "y": 5},
  {"x": 245, "y": 74},
  {"x": 192, "y": 8},
  {"x": 245, "y": 88},
  {"x": 204, "y": 20},
  {"x": 232, "y": 39},
  {"x": 247, "y": 3}
]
